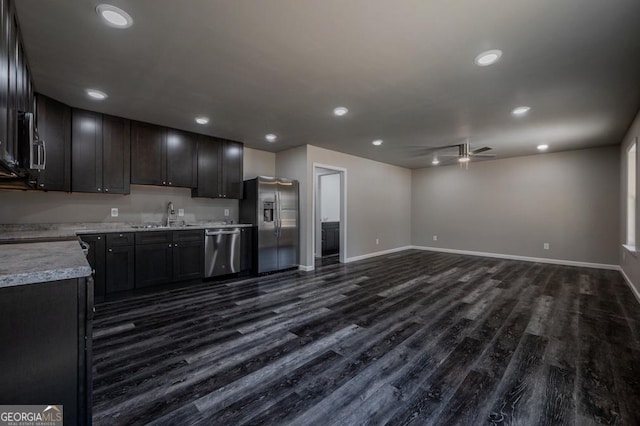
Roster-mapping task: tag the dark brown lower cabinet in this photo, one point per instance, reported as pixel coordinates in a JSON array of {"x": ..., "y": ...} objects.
[
  {"x": 163, "y": 257},
  {"x": 188, "y": 255},
  {"x": 96, "y": 258},
  {"x": 330, "y": 238},
  {"x": 119, "y": 269},
  {"x": 46, "y": 346},
  {"x": 126, "y": 261},
  {"x": 154, "y": 264},
  {"x": 246, "y": 243}
]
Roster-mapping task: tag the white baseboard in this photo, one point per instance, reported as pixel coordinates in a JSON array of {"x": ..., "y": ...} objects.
[
  {"x": 523, "y": 258},
  {"x": 633, "y": 288},
  {"x": 377, "y": 253},
  {"x": 306, "y": 268}
]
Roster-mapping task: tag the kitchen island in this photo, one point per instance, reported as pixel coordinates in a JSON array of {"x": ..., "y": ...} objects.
[{"x": 46, "y": 309}]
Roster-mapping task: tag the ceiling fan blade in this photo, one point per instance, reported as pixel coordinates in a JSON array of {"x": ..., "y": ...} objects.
[{"x": 479, "y": 150}]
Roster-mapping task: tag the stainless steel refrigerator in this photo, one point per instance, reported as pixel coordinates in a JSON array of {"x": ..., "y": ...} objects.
[{"x": 271, "y": 205}]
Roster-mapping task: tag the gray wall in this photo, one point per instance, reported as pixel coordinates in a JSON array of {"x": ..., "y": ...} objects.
[
  {"x": 513, "y": 206},
  {"x": 629, "y": 261},
  {"x": 258, "y": 163},
  {"x": 144, "y": 204},
  {"x": 378, "y": 202}
]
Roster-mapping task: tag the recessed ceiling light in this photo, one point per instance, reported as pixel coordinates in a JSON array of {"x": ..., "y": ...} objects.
[
  {"x": 96, "y": 94},
  {"x": 340, "y": 111},
  {"x": 520, "y": 111},
  {"x": 543, "y": 147},
  {"x": 202, "y": 120},
  {"x": 114, "y": 16},
  {"x": 435, "y": 162},
  {"x": 271, "y": 137},
  {"x": 377, "y": 142},
  {"x": 487, "y": 58},
  {"x": 464, "y": 159}
]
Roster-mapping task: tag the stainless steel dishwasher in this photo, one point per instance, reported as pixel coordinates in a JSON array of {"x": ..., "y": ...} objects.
[{"x": 221, "y": 251}]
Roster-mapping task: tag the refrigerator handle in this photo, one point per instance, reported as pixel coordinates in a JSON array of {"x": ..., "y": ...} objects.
[
  {"x": 279, "y": 216},
  {"x": 276, "y": 213}
]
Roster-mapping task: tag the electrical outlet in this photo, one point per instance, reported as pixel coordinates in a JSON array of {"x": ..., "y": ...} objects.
[
  {"x": 226, "y": 212},
  {"x": 435, "y": 238},
  {"x": 546, "y": 246},
  {"x": 377, "y": 241},
  {"x": 180, "y": 212},
  {"x": 114, "y": 212}
]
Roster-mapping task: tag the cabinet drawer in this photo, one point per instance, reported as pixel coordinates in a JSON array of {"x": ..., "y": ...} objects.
[
  {"x": 153, "y": 237},
  {"x": 120, "y": 239},
  {"x": 185, "y": 236}
]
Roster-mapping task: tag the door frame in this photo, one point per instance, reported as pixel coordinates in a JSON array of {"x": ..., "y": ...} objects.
[{"x": 343, "y": 208}]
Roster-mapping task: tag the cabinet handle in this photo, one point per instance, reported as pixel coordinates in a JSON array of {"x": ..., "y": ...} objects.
[
  {"x": 42, "y": 185},
  {"x": 99, "y": 237},
  {"x": 99, "y": 189},
  {"x": 110, "y": 250},
  {"x": 106, "y": 190},
  {"x": 164, "y": 182},
  {"x": 120, "y": 235},
  {"x": 169, "y": 245},
  {"x": 169, "y": 183},
  {"x": 175, "y": 245}
]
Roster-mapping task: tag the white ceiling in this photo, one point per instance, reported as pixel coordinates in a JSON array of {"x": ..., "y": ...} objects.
[{"x": 404, "y": 68}]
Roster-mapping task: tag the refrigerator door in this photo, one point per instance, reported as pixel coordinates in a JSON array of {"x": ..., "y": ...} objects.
[
  {"x": 287, "y": 222},
  {"x": 267, "y": 225}
]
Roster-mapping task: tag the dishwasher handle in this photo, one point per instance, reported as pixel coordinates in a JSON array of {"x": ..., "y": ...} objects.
[{"x": 212, "y": 233}]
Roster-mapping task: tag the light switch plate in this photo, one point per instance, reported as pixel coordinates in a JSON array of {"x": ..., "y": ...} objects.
[
  {"x": 546, "y": 246},
  {"x": 180, "y": 212},
  {"x": 226, "y": 212},
  {"x": 435, "y": 238},
  {"x": 114, "y": 212}
]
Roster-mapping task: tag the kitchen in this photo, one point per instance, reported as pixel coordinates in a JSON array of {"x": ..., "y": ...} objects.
[{"x": 140, "y": 158}]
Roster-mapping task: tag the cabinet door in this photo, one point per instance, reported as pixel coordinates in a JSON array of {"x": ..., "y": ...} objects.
[
  {"x": 246, "y": 248},
  {"x": 12, "y": 118},
  {"x": 148, "y": 154},
  {"x": 154, "y": 264},
  {"x": 119, "y": 269},
  {"x": 208, "y": 168},
  {"x": 40, "y": 346},
  {"x": 4, "y": 79},
  {"x": 53, "y": 120},
  {"x": 188, "y": 260},
  {"x": 116, "y": 137},
  {"x": 86, "y": 151},
  {"x": 181, "y": 158},
  {"x": 231, "y": 169},
  {"x": 96, "y": 258}
]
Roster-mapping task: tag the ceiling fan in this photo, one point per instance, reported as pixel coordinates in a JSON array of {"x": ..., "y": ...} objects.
[{"x": 464, "y": 155}]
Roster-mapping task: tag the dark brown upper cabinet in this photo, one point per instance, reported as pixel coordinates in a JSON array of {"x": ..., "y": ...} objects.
[
  {"x": 53, "y": 121},
  {"x": 161, "y": 156},
  {"x": 16, "y": 89},
  {"x": 219, "y": 168},
  {"x": 100, "y": 153}
]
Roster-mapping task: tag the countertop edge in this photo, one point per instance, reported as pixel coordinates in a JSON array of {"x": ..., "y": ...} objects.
[{"x": 42, "y": 277}]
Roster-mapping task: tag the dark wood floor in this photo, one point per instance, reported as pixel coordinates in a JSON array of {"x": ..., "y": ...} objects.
[{"x": 414, "y": 337}]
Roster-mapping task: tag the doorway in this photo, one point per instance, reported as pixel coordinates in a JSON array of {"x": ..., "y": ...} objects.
[{"x": 329, "y": 214}]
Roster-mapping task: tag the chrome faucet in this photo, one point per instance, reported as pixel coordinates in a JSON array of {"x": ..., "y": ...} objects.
[{"x": 171, "y": 214}]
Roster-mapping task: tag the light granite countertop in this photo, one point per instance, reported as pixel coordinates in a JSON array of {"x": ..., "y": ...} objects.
[
  {"x": 30, "y": 263},
  {"x": 70, "y": 231}
]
